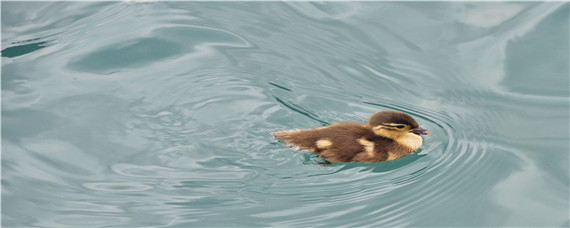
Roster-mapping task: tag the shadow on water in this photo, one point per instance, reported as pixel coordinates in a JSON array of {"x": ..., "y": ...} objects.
[{"x": 20, "y": 50}]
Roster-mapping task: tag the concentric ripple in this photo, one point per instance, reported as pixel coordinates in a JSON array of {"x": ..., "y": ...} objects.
[{"x": 158, "y": 114}]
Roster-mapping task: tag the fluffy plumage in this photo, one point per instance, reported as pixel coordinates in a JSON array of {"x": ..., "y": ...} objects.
[{"x": 388, "y": 135}]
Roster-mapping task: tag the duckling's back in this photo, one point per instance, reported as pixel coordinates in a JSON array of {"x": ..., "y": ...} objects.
[{"x": 338, "y": 142}]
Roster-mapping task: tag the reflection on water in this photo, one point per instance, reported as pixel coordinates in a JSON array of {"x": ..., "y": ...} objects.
[{"x": 158, "y": 114}]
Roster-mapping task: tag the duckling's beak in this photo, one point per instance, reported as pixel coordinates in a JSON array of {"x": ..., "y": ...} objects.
[{"x": 420, "y": 131}]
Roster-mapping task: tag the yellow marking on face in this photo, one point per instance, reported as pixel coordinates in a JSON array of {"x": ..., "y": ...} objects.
[
  {"x": 401, "y": 136},
  {"x": 393, "y": 124},
  {"x": 378, "y": 130},
  {"x": 387, "y": 132},
  {"x": 323, "y": 143},
  {"x": 396, "y": 126},
  {"x": 368, "y": 146}
]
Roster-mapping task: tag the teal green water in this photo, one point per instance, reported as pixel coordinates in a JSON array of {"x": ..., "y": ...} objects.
[{"x": 127, "y": 114}]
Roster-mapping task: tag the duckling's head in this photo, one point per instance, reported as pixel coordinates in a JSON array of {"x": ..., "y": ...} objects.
[{"x": 395, "y": 125}]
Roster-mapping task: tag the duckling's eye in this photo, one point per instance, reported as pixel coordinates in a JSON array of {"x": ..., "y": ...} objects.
[{"x": 400, "y": 126}]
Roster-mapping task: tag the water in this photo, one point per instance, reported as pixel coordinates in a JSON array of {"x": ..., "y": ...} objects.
[{"x": 157, "y": 114}]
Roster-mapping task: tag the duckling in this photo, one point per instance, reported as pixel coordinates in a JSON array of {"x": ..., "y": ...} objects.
[{"x": 388, "y": 135}]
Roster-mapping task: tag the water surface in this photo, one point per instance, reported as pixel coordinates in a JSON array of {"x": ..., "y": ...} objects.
[{"x": 157, "y": 114}]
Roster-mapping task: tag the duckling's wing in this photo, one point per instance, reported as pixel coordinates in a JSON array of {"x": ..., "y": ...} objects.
[{"x": 340, "y": 136}]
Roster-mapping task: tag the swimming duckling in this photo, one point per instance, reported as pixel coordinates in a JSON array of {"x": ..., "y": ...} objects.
[{"x": 387, "y": 136}]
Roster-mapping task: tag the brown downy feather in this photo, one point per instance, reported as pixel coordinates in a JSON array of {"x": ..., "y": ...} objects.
[
  {"x": 380, "y": 140},
  {"x": 343, "y": 142}
]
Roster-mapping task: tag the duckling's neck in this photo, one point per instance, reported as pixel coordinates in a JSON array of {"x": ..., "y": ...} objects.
[{"x": 408, "y": 140}]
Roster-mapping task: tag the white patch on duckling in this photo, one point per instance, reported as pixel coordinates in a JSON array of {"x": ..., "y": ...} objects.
[
  {"x": 368, "y": 146},
  {"x": 323, "y": 143}
]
